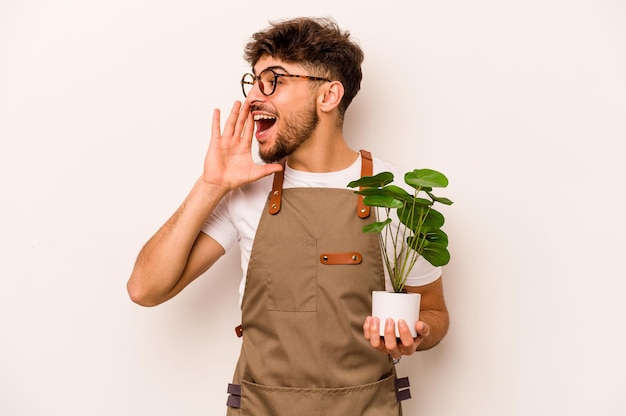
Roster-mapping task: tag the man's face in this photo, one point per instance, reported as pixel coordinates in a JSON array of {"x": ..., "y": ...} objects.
[{"x": 286, "y": 118}]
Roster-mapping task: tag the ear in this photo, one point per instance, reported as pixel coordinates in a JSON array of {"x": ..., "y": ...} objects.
[{"x": 330, "y": 96}]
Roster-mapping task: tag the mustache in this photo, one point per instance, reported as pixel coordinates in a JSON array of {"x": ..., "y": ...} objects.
[{"x": 260, "y": 107}]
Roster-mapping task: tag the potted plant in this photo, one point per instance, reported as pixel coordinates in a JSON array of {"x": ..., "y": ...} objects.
[{"x": 416, "y": 233}]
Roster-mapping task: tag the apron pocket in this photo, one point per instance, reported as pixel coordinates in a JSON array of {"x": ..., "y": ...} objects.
[
  {"x": 292, "y": 284},
  {"x": 374, "y": 399}
]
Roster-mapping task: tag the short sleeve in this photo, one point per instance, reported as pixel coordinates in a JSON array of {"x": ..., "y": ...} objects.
[
  {"x": 220, "y": 227},
  {"x": 423, "y": 273}
]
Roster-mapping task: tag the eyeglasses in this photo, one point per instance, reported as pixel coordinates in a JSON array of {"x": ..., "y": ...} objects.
[{"x": 268, "y": 80}]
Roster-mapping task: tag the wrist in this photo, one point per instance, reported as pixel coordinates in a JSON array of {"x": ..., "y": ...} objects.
[{"x": 210, "y": 189}]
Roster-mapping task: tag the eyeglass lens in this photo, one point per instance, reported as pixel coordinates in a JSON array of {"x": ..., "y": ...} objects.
[{"x": 266, "y": 79}]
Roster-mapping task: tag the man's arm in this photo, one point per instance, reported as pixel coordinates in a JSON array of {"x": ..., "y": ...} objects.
[
  {"x": 433, "y": 314},
  {"x": 431, "y": 328},
  {"x": 179, "y": 252}
]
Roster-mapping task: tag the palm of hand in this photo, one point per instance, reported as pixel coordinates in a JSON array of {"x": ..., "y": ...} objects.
[{"x": 228, "y": 162}]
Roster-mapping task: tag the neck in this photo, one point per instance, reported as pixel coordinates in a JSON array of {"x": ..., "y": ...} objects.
[{"x": 322, "y": 153}]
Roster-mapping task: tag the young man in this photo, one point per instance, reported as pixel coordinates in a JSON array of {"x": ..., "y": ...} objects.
[{"x": 309, "y": 346}]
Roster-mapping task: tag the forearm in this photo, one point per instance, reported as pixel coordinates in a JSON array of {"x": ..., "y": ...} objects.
[
  {"x": 438, "y": 322},
  {"x": 178, "y": 252},
  {"x": 433, "y": 312},
  {"x": 165, "y": 257}
]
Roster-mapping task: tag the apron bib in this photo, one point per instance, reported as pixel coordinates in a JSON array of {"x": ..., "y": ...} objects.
[{"x": 308, "y": 291}]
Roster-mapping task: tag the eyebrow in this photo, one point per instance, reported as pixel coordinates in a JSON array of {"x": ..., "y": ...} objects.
[{"x": 272, "y": 68}]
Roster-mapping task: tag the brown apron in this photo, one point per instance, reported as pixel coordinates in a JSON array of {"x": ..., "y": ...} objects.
[{"x": 308, "y": 291}]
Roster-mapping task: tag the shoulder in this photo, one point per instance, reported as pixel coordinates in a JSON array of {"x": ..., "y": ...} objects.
[
  {"x": 381, "y": 165},
  {"x": 237, "y": 215},
  {"x": 384, "y": 166},
  {"x": 252, "y": 196}
]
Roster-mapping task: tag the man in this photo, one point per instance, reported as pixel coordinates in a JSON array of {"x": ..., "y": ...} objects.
[{"x": 309, "y": 346}]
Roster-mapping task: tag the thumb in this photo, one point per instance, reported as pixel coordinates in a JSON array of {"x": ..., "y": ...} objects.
[{"x": 264, "y": 170}]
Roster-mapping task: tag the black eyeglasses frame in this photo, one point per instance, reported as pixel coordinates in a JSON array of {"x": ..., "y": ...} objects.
[{"x": 252, "y": 79}]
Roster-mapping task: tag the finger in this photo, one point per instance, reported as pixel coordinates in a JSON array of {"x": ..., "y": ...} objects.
[
  {"x": 390, "y": 338},
  {"x": 215, "y": 125},
  {"x": 248, "y": 131},
  {"x": 268, "y": 169},
  {"x": 423, "y": 330},
  {"x": 374, "y": 333},
  {"x": 408, "y": 344},
  {"x": 243, "y": 123},
  {"x": 231, "y": 121},
  {"x": 366, "y": 327},
  {"x": 405, "y": 334}
]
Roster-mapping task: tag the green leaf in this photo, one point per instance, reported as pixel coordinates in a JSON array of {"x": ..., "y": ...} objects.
[
  {"x": 382, "y": 201},
  {"x": 416, "y": 243},
  {"x": 376, "y": 227},
  {"x": 420, "y": 178},
  {"x": 412, "y": 218},
  {"x": 436, "y": 236},
  {"x": 370, "y": 191},
  {"x": 379, "y": 180},
  {"x": 434, "y": 219},
  {"x": 389, "y": 190},
  {"x": 397, "y": 192},
  {"x": 420, "y": 201},
  {"x": 421, "y": 219},
  {"x": 439, "y": 199},
  {"x": 436, "y": 254},
  {"x": 443, "y": 200}
]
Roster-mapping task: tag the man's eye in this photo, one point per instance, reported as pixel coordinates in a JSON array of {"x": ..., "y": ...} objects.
[{"x": 278, "y": 79}]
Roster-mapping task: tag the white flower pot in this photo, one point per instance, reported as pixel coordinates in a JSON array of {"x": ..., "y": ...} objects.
[{"x": 396, "y": 306}]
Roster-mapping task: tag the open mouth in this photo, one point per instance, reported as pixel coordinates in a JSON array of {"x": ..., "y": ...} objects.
[{"x": 264, "y": 122}]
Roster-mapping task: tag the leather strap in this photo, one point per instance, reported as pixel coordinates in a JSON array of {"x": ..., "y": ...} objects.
[
  {"x": 403, "y": 392},
  {"x": 277, "y": 191},
  {"x": 234, "y": 396},
  {"x": 351, "y": 257},
  {"x": 362, "y": 210}
]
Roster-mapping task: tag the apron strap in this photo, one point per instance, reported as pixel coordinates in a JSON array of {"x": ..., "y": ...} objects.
[
  {"x": 363, "y": 211},
  {"x": 277, "y": 191},
  {"x": 402, "y": 389},
  {"x": 234, "y": 396}
]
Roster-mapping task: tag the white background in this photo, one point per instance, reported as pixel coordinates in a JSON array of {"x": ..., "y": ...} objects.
[{"x": 104, "y": 120}]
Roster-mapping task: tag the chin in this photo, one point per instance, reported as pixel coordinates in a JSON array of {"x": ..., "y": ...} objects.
[
  {"x": 269, "y": 158},
  {"x": 267, "y": 155},
  {"x": 274, "y": 154}
]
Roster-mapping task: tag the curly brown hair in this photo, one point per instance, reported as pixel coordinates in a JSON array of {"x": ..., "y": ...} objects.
[{"x": 318, "y": 44}]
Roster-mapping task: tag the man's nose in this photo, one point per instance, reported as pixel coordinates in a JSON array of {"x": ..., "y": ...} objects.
[{"x": 255, "y": 92}]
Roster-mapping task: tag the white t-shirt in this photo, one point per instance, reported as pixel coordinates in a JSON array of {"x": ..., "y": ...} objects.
[{"x": 236, "y": 217}]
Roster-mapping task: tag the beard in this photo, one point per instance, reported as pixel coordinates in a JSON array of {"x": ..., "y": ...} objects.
[{"x": 297, "y": 129}]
